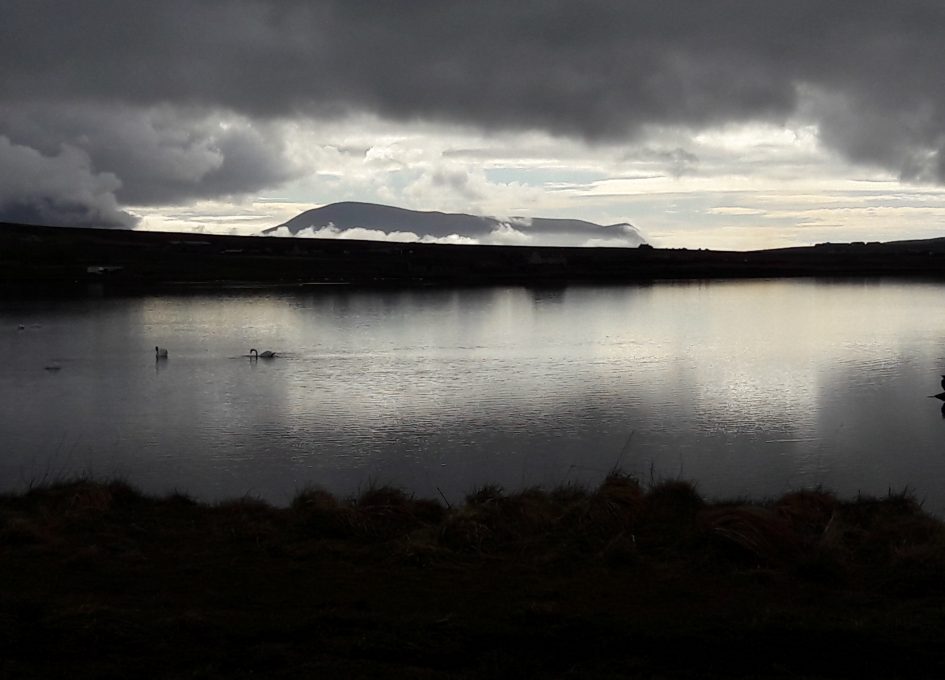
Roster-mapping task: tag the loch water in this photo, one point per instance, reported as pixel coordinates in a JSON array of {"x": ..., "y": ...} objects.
[{"x": 747, "y": 388}]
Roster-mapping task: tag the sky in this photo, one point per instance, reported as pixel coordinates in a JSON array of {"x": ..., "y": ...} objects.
[{"x": 724, "y": 124}]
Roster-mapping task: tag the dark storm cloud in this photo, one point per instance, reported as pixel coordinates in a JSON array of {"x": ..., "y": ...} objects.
[
  {"x": 594, "y": 69},
  {"x": 160, "y": 154},
  {"x": 677, "y": 162},
  {"x": 866, "y": 72},
  {"x": 60, "y": 188}
]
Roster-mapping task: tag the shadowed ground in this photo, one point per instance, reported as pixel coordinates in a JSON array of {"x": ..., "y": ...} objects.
[
  {"x": 99, "y": 581},
  {"x": 65, "y": 260}
]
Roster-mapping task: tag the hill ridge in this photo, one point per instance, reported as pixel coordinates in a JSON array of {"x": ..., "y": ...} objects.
[{"x": 347, "y": 215}]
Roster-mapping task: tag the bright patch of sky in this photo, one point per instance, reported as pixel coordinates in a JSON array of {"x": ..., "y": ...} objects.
[{"x": 734, "y": 187}]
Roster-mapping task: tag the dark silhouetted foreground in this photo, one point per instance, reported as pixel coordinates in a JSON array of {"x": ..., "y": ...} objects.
[
  {"x": 99, "y": 581},
  {"x": 119, "y": 260}
]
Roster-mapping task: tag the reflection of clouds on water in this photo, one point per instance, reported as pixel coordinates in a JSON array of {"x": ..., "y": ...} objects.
[
  {"x": 881, "y": 431},
  {"x": 748, "y": 388},
  {"x": 730, "y": 400}
]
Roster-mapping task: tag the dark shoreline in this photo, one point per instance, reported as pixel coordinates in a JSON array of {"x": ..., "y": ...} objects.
[
  {"x": 101, "y": 581},
  {"x": 68, "y": 260}
]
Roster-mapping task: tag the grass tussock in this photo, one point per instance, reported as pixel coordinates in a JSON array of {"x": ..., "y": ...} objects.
[
  {"x": 810, "y": 533},
  {"x": 80, "y": 497},
  {"x": 403, "y": 584}
]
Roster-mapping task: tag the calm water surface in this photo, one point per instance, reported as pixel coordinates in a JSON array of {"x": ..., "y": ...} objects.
[{"x": 747, "y": 388}]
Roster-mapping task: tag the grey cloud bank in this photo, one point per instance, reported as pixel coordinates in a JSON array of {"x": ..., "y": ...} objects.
[{"x": 122, "y": 101}]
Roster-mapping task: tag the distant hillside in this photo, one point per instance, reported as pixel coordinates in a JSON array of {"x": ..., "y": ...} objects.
[
  {"x": 433, "y": 226},
  {"x": 34, "y": 259}
]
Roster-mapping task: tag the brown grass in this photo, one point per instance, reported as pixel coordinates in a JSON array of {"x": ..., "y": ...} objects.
[{"x": 587, "y": 582}]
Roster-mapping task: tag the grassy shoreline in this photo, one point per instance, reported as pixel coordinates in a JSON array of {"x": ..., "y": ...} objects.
[{"x": 619, "y": 581}]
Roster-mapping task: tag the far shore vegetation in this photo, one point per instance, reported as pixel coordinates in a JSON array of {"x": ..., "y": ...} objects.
[{"x": 624, "y": 580}]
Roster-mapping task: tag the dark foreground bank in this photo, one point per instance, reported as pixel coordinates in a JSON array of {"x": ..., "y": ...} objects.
[{"x": 99, "y": 581}]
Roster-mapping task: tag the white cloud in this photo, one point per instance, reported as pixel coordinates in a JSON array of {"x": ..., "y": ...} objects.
[
  {"x": 330, "y": 231},
  {"x": 452, "y": 239},
  {"x": 358, "y": 234},
  {"x": 507, "y": 235},
  {"x": 236, "y": 217},
  {"x": 734, "y": 210}
]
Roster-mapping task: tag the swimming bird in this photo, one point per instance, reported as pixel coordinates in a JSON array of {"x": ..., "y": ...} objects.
[
  {"x": 160, "y": 352},
  {"x": 943, "y": 382},
  {"x": 262, "y": 355}
]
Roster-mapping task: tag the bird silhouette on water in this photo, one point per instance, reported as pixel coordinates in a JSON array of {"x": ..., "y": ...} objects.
[{"x": 941, "y": 395}]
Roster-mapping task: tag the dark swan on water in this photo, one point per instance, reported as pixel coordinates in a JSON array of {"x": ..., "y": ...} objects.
[
  {"x": 941, "y": 395},
  {"x": 262, "y": 355},
  {"x": 160, "y": 352}
]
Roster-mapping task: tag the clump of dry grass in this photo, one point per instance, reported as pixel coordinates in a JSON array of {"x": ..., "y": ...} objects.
[
  {"x": 83, "y": 497},
  {"x": 892, "y": 542},
  {"x": 566, "y": 522},
  {"x": 674, "y": 501},
  {"x": 46, "y": 514},
  {"x": 379, "y": 512},
  {"x": 320, "y": 515},
  {"x": 249, "y": 518},
  {"x": 388, "y": 512},
  {"x": 605, "y": 521},
  {"x": 809, "y": 512},
  {"x": 485, "y": 495},
  {"x": 491, "y": 520},
  {"x": 569, "y": 494},
  {"x": 889, "y": 542},
  {"x": 756, "y": 534},
  {"x": 19, "y": 531},
  {"x": 870, "y": 530},
  {"x": 668, "y": 516}
]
